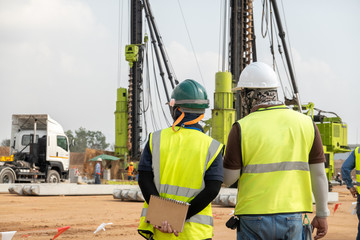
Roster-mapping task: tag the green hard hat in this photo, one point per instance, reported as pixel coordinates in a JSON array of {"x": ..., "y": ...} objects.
[{"x": 189, "y": 94}]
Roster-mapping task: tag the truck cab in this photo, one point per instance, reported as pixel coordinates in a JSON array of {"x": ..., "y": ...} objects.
[
  {"x": 39, "y": 149},
  {"x": 21, "y": 141}
]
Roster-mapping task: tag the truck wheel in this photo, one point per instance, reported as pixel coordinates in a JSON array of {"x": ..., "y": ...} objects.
[
  {"x": 53, "y": 177},
  {"x": 7, "y": 176}
]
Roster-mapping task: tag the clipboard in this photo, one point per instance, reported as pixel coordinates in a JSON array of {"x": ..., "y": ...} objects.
[{"x": 170, "y": 210}]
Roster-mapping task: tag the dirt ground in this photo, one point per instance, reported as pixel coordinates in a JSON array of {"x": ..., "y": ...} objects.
[{"x": 39, "y": 217}]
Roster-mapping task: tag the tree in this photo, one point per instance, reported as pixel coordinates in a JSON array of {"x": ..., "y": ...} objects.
[
  {"x": 5, "y": 143},
  {"x": 97, "y": 140},
  {"x": 80, "y": 140},
  {"x": 86, "y": 139}
]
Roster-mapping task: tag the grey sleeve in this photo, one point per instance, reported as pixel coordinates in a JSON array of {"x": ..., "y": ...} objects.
[
  {"x": 230, "y": 176},
  {"x": 319, "y": 185}
]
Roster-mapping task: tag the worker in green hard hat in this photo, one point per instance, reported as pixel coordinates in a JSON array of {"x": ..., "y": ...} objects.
[
  {"x": 191, "y": 98},
  {"x": 276, "y": 154},
  {"x": 182, "y": 163}
]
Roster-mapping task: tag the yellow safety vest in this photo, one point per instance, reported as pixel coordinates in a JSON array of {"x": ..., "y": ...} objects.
[
  {"x": 275, "y": 146},
  {"x": 357, "y": 167},
  {"x": 179, "y": 161}
]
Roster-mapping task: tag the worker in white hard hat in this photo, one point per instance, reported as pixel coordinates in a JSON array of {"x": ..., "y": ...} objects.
[
  {"x": 276, "y": 155},
  {"x": 97, "y": 172},
  {"x": 182, "y": 163}
]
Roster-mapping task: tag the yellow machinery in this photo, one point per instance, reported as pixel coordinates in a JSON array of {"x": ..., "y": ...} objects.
[
  {"x": 333, "y": 133},
  {"x": 7, "y": 158},
  {"x": 121, "y": 124},
  {"x": 223, "y": 114}
]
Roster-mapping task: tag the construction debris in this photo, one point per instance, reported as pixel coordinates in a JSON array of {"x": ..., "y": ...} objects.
[{"x": 102, "y": 227}]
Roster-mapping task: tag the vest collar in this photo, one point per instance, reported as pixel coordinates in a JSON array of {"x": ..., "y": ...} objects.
[{"x": 268, "y": 107}]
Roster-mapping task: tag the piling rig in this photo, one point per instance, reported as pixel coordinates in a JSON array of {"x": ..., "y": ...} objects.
[{"x": 228, "y": 106}]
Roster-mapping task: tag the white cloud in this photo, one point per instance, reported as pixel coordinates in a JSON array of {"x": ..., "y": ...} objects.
[
  {"x": 67, "y": 62},
  {"x": 40, "y": 15},
  {"x": 53, "y": 61},
  {"x": 60, "y": 57}
]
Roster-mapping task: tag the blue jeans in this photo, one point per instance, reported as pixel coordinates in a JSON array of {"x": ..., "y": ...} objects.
[
  {"x": 268, "y": 227},
  {"x": 97, "y": 179}
]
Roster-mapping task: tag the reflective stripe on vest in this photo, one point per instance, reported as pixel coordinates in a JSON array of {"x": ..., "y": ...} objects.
[
  {"x": 275, "y": 146},
  {"x": 273, "y": 167},
  {"x": 357, "y": 167},
  {"x": 179, "y": 164}
]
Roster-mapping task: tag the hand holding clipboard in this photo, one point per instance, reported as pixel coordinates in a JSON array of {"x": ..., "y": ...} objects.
[
  {"x": 167, "y": 215},
  {"x": 166, "y": 228}
]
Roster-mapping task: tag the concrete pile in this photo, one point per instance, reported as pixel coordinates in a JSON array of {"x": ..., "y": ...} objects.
[
  {"x": 69, "y": 189},
  {"x": 134, "y": 194},
  {"x": 226, "y": 197}
]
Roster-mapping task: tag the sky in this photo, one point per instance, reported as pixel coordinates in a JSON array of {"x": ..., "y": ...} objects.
[{"x": 66, "y": 57}]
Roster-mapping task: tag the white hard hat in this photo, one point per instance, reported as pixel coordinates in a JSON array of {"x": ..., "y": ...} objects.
[
  {"x": 99, "y": 159},
  {"x": 257, "y": 75}
]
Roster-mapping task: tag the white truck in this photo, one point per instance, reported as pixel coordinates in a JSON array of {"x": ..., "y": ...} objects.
[{"x": 39, "y": 151}]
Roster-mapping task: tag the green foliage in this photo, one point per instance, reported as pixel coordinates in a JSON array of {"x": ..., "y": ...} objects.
[
  {"x": 83, "y": 139},
  {"x": 5, "y": 143}
]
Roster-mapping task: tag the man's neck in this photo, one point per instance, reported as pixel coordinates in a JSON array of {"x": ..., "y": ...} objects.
[{"x": 266, "y": 105}]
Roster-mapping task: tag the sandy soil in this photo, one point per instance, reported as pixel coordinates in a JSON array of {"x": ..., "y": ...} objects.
[{"x": 39, "y": 217}]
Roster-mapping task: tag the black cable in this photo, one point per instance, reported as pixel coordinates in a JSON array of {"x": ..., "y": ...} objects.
[
  {"x": 145, "y": 109},
  {"x": 288, "y": 38},
  {"x": 154, "y": 37},
  {"x": 264, "y": 16},
  {"x": 147, "y": 80},
  {"x": 191, "y": 43},
  {"x": 282, "y": 58},
  {"x": 151, "y": 108},
  {"x": 322, "y": 111},
  {"x": 156, "y": 89},
  {"x": 165, "y": 58},
  {"x": 159, "y": 98},
  {"x": 151, "y": 113}
]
